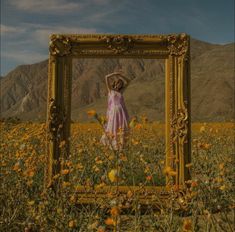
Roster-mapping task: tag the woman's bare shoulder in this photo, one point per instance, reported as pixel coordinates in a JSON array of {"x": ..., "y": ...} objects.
[{"x": 110, "y": 92}]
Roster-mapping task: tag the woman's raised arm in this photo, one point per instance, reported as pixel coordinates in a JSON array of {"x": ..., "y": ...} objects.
[
  {"x": 107, "y": 80},
  {"x": 125, "y": 79}
]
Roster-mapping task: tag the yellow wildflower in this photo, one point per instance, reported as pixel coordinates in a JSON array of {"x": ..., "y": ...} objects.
[
  {"x": 65, "y": 184},
  {"x": 123, "y": 157},
  {"x": 56, "y": 176},
  {"x": 29, "y": 183},
  {"x": 31, "y": 202},
  {"x": 144, "y": 119},
  {"x": 69, "y": 163},
  {"x": 134, "y": 142},
  {"x": 187, "y": 225},
  {"x": 149, "y": 177},
  {"x": 223, "y": 187},
  {"x": 79, "y": 166},
  {"x": 146, "y": 170},
  {"x": 132, "y": 123},
  {"x": 80, "y": 150},
  {"x": 100, "y": 185},
  {"x": 194, "y": 184},
  {"x": 111, "y": 157},
  {"x": 207, "y": 146},
  {"x": 202, "y": 129},
  {"x": 95, "y": 168},
  {"x": 72, "y": 223},
  {"x": 129, "y": 194},
  {"x": 103, "y": 120},
  {"x": 93, "y": 226},
  {"x": 62, "y": 143},
  {"x": 138, "y": 126},
  {"x": 73, "y": 199},
  {"x": 29, "y": 173},
  {"x": 98, "y": 160},
  {"x": 59, "y": 210},
  {"x": 109, "y": 221},
  {"x": 65, "y": 171},
  {"x": 16, "y": 167},
  {"x": 91, "y": 113},
  {"x": 115, "y": 211},
  {"x": 101, "y": 229},
  {"x": 218, "y": 179},
  {"x": 221, "y": 166},
  {"x": 169, "y": 171},
  {"x": 113, "y": 175}
]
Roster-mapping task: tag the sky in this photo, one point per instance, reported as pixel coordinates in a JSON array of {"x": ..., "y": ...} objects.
[{"x": 27, "y": 24}]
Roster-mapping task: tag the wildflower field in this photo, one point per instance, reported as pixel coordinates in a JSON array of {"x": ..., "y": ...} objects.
[{"x": 25, "y": 207}]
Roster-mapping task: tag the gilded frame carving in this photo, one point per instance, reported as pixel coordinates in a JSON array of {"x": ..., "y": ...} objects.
[{"x": 174, "y": 48}]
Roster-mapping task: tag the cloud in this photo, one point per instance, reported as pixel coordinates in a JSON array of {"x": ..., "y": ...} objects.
[
  {"x": 40, "y": 33},
  {"x": 33, "y": 44},
  {"x": 41, "y": 6},
  {"x": 10, "y": 30}
]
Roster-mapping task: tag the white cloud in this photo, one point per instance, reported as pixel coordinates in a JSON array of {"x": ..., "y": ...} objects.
[
  {"x": 38, "y": 34},
  {"x": 41, "y": 6},
  {"x": 11, "y": 30},
  {"x": 36, "y": 38},
  {"x": 41, "y": 33}
]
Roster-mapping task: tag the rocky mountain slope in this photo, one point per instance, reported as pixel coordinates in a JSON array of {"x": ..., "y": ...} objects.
[{"x": 24, "y": 89}]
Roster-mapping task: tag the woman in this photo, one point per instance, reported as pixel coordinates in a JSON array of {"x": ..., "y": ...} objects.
[{"x": 117, "y": 125}]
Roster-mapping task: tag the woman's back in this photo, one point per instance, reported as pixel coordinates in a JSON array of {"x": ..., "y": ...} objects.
[
  {"x": 116, "y": 100},
  {"x": 115, "y": 97}
]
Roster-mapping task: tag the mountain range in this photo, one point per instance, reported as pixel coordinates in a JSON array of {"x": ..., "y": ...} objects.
[{"x": 24, "y": 89}]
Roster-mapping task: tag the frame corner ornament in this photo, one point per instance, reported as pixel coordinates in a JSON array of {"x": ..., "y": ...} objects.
[
  {"x": 181, "y": 200},
  {"x": 178, "y": 45},
  {"x": 60, "y": 45}
]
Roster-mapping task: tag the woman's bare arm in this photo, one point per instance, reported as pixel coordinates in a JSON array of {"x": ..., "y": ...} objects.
[
  {"x": 125, "y": 79},
  {"x": 107, "y": 79}
]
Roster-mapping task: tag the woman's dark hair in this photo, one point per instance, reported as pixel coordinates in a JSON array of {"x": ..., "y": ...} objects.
[{"x": 114, "y": 84}]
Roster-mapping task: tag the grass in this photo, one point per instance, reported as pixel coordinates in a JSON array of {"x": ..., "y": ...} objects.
[{"x": 24, "y": 206}]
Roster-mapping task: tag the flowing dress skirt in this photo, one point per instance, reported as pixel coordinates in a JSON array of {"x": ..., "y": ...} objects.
[{"x": 117, "y": 125}]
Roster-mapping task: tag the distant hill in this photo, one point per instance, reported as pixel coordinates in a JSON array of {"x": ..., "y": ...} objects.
[{"x": 24, "y": 89}]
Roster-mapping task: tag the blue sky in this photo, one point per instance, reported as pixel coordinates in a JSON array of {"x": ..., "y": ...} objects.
[{"x": 27, "y": 24}]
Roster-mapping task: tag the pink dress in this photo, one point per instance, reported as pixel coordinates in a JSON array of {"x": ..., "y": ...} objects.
[{"x": 117, "y": 120}]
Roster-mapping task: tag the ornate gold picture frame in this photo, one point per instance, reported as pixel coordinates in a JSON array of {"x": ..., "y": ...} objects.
[{"x": 174, "y": 48}]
